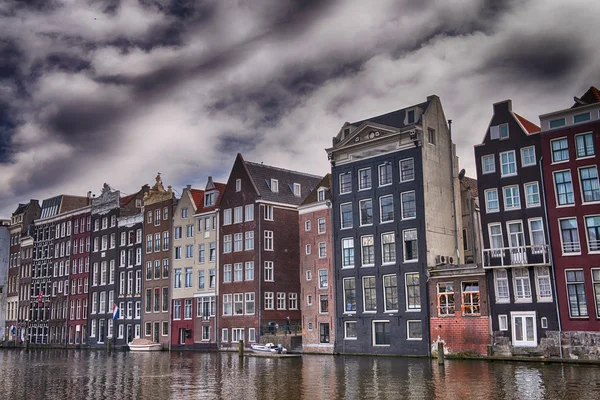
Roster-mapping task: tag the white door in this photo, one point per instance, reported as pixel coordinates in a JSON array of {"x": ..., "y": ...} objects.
[
  {"x": 524, "y": 332},
  {"x": 516, "y": 241}
]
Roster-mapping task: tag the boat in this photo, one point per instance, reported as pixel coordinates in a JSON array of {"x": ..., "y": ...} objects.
[
  {"x": 268, "y": 348},
  {"x": 144, "y": 345}
]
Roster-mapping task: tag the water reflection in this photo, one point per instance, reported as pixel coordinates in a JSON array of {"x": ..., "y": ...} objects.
[{"x": 54, "y": 374}]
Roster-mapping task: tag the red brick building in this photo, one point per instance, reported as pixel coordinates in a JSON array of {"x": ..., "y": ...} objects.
[
  {"x": 258, "y": 254},
  {"x": 317, "y": 296},
  {"x": 81, "y": 223},
  {"x": 570, "y": 164}
]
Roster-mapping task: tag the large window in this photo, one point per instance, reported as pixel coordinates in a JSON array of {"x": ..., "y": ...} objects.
[
  {"x": 345, "y": 183},
  {"x": 596, "y": 283},
  {"x": 364, "y": 179},
  {"x": 536, "y": 235},
  {"x": 560, "y": 150},
  {"x": 445, "y": 295},
  {"x": 522, "y": 284},
  {"x": 508, "y": 163},
  {"x": 409, "y": 205},
  {"x": 414, "y": 330},
  {"x": 488, "y": 164},
  {"x": 491, "y": 200},
  {"x": 564, "y": 188},
  {"x": 381, "y": 333},
  {"x": 386, "y": 207},
  {"x": 349, "y": 295},
  {"x": 576, "y": 293},
  {"x": 238, "y": 303},
  {"x": 346, "y": 215},
  {"x": 470, "y": 298},
  {"x": 407, "y": 170},
  {"x": 543, "y": 285},
  {"x": 532, "y": 194},
  {"x": 268, "y": 240},
  {"x": 366, "y": 212},
  {"x": 323, "y": 279},
  {"x": 528, "y": 156},
  {"x": 347, "y": 252},
  {"x": 592, "y": 226},
  {"x": 350, "y": 330},
  {"x": 324, "y": 332},
  {"x": 388, "y": 247},
  {"x": 569, "y": 235},
  {"x": 585, "y": 145},
  {"x": 512, "y": 200},
  {"x": 390, "y": 287},
  {"x": 410, "y": 245},
  {"x": 368, "y": 250},
  {"x": 369, "y": 294},
  {"x": 385, "y": 174},
  {"x": 413, "y": 292},
  {"x": 590, "y": 189}
]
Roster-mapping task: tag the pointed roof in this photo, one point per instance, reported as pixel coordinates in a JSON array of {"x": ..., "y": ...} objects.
[
  {"x": 312, "y": 196},
  {"x": 262, "y": 175},
  {"x": 529, "y": 126},
  {"x": 592, "y": 96},
  {"x": 126, "y": 199},
  {"x": 395, "y": 118},
  {"x": 197, "y": 196},
  {"x": 470, "y": 184}
]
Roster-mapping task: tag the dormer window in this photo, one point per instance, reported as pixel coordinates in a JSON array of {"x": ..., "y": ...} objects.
[
  {"x": 297, "y": 189},
  {"x": 138, "y": 203},
  {"x": 411, "y": 117},
  {"x": 274, "y": 185},
  {"x": 499, "y": 132},
  {"x": 321, "y": 195},
  {"x": 209, "y": 199},
  {"x": 238, "y": 185}
]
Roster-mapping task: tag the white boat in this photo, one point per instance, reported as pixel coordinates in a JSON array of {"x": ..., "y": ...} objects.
[
  {"x": 144, "y": 345},
  {"x": 268, "y": 348}
]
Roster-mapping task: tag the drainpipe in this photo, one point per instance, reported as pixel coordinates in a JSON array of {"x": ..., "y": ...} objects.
[
  {"x": 453, "y": 192},
  {"x": 260, "y": 300},
  {"x": 551, "y": 259}
]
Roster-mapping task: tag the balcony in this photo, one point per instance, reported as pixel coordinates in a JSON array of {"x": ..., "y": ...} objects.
[{"x": 506, "y": 257}]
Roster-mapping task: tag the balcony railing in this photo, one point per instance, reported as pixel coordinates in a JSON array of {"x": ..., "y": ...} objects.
[
  {"x": 516, "y": 256},
  {"x": 571, "y": 247}
]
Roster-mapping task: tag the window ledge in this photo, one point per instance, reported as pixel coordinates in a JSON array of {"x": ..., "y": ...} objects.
[
  {"x": 571, "y": 254},
  {"x": 559, "y": 162},
  {"x": 590, "y": 203},
  {"x": 565, "y": 205},
  {"x": 350, "y": 338},
  {"x": 414, "y": 311}
]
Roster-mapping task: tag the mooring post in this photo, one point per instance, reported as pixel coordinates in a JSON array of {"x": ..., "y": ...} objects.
[
  {"x": 241, "y": 348},
  {"x": 440, "y": 353},
  {"x": 108, "y": 346}
]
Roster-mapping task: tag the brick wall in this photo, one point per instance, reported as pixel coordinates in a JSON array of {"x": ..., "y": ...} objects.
[{"x": 460, "y": 334}]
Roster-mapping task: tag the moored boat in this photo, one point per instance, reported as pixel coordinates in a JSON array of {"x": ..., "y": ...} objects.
[
  {"x": 144, "y": 345},
  {"x": 268, "y": 348}
]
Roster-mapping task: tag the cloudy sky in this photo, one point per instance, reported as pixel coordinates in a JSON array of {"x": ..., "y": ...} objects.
[{"x": 114, "y": 91}]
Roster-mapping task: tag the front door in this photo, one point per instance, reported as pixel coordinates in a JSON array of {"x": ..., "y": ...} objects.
[
  {"x": 156, "y": 333},
  {"x": 181, "y": 336},
  {"x": 516, "y": 241},
  {"x": 524, "y": 331}
]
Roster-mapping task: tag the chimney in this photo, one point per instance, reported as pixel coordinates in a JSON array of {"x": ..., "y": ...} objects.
[
  {"x": 89, "y": 194},
  {"x": 188, "y": 187}
]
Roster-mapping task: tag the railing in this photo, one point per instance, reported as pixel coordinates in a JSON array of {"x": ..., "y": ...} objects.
[
  {"x": 293, "y": 328},
  {"x": 516, "y": 256},
  {"x": 571, "y": 247}
]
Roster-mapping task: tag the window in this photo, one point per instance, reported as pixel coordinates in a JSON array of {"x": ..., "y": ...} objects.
[
  {"x": 564, "y": 188},
  {"x": 528, "y": 156},
  {"x": 542, "y": 278},
  {"x": 227, "y": 217},
  {"x": 309, "y": 275},
  {"x": 488, "y": 164},
  {"x": 413, "y": 292},
  {"x": 178, "y": 232},
  {"x": 346, "y": 215},
  {"x": 347, "y": 252},
  {"x": 386, "y": 208},
  {"x": 324, "y": 332},
  {"x": 590, "y": 189},
  {"x": 165, "y": 213},
  {"x": 238, "y": 215},
  {"x": 584, "y": 144},
  {"x": 269, "y": 301},
  {"x": 596, "y": 284},
  {"x": 555, "y": 123},
  {"x": 381, "y": 333},
  {"x": 366, "y": 213},
  {"x": 532, "y": 194},
  {"x": 576, "y": 293},
  {"x": 238, "y": 244},
  {"x": 268, "y": 240},
  {"x": 226, "y": 243},
  {"x": 410, "y": 117},
  {"x": 238, "y": 185},
  {"x": 560, "y": 150},
  {"x": 178, "y": 252},
  {"x": 177, "y": 309},
  {"x": 368, "y": 250},
  {"x": 227, "y": 273},
  {"x": 268, "y": 213},
  {"x": 390, "y": 293},
  {"x": 249, "y": 304},
  {"x": 522, "y": 284},
  {"x": 321, "y": 195},
  {"x": 544, "y": 322},
  {"x": 491, "y": 200},
  {"x": 364, "y": 179},
  {"x": 309, "y": 300},
  {"x": 166, "y": 241},
  {"x": 250, "y": 270},
  {"x": 323, "y": 303},
  {"x": 407, "y": 170},
  {"x": 385, "y": 174},
  {"x": 322, "y": 250},
  {"x": 350, "y": 330},
  {"x": 508, "y": 163},
  {"x": 431, "y": 136},
  {"x": 569, "y": 235},
  {"x": 225, "y": 335},
  {"x": 445, "y": 296},
  {"x": 321, "y": 225},
  {"x": 536, "y": 235},
  {"x": 410, "y": 245},
  {"x": 184, "y": 212},
  {"x": 188, "y": 277},
  {"x": 512, "y": 200},
  {"x": 205, "y": 333},
  {"x": 345, "y": 182},
  {"x": 503, "y": 322},
  {"x": 369, "y": 294},
  {"x": 409, "y": 205},
  {"x": 592, "y": 225},
  {"x": 227, "y": 304},
  {"x": 212, "y": 278},
  {"x": 238, "y": 272},
  {"x": 269, "y": 276},
  {"x": 470, "y": 298},
  {"x": 307, "y": 225},
  {"x": 414, "y": 330},
  {"x": 177, "y": 282},
  {"x": 293, "y": 301},
  {"x": 274, "y": 185},
  {"x": 499, "y": 131},
  {"x": 323, "y": 279},
  {"x": 297, "y": 189},
  {"x": 249, "y": 209},
  {"x": 189, "y": 251},
  {"x": 581, "y": 118},
  {"x": 238, "y": 303},
  {"x": 201, "y": 251}
]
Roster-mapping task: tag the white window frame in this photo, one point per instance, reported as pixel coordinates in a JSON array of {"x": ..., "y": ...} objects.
[
  {"x": 524, "y": 342},
  {"x": 408, "y": 322},
  {"x": 346, "y": 337},
  {"x": 483, "y": 165},
  {"x": 502, "y": 174},
  {"x": 487, "y": 209},
  {"x": 527, "y": 204},
  {"x": 503, "y": 322},
  {"x": 518, "y": 196},
  {"x": 360, "y": 188},
  {"x": 523, "y": 164}
]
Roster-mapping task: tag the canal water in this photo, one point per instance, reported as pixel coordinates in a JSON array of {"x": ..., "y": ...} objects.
[{"x": 63, "y": 374}]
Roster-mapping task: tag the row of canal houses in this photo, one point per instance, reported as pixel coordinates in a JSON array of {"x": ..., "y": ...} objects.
[{"x": 392, "y": 252}]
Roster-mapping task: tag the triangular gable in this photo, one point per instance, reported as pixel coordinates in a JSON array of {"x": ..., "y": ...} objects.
[{"x": 367, "y": 131}]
